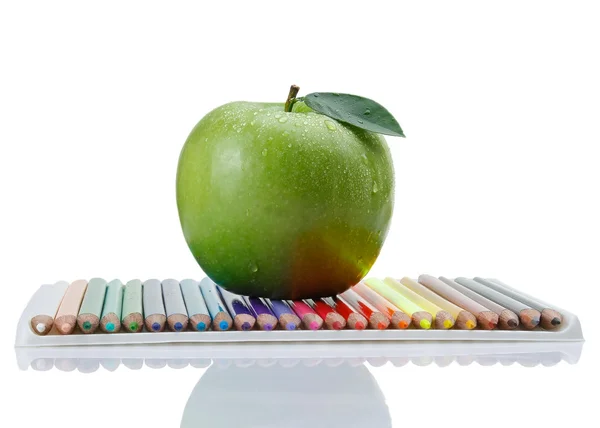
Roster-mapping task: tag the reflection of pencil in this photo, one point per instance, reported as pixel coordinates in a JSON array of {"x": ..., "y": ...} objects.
[
  {"x": 529, "y": 317},
  {"x": 397, "y": 318},
  {"x": 354, "y": 320},
  {"x": 242, "y": 317},
  {"x": 288, "y": 319},
  {"x": 310, "y": 319},
  {"x": 91, "y": 306},
  {"x": 442, "y": 319},
  {"x": 331, "y": 319},
  {"x": 221, "y": 320},
  {"x": 264, "y": 316},
  {"x": 551, "y": 319},
  {"x": 376, "y": 319},
  {"x": 154, "y": 308},
  {"x": 195, "y": 305},
  {"x": 113, "y": 307},
  {"x": 66, "y": 317},
  {"x": 177, "y": 318},
  {"x": 486, "y": 316},
  {"x": 464, "y": 320},
  {"x": 46, "y": 303},
  {"x": 420, "y": 317},
  {"x": 131, "y": 317}
]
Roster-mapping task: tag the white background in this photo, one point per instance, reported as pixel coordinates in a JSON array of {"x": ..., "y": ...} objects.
[{"x": 498, "y": 175}]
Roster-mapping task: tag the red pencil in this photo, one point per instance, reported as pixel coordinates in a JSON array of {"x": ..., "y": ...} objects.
[
  {"x": 354, "y": 320},
  {"x": 332, "y": 320}
]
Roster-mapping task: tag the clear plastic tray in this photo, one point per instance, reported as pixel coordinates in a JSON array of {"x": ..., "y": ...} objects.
[{"x": 570, "y": 331}]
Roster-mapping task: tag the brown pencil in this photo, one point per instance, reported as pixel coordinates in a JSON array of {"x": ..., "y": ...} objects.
[
  {"x": 551, "y": 319},
  {"x": 486, "y": 318}
]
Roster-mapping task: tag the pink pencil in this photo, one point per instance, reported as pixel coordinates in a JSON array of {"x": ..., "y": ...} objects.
[{"x": 310, "y": 319}]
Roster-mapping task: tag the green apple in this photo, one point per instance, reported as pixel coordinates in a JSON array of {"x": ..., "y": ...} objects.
[{"x": 283, "y": 204}]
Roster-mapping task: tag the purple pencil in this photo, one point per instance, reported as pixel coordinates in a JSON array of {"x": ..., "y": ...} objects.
[
  {"x": 264, "y": 316},
  {"x": 242, "y": 317},
  {"x": 286, "y": 315}
]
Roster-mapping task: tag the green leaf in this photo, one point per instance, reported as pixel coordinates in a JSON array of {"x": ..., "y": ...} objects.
[{"x": 357, "y": 111}]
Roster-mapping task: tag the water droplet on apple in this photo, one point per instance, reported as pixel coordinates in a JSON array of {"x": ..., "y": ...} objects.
[
  {"x": 298, "y": 124},
  {"x": 367, "y": 112},
  {"x": 359, "y": 120},
  {"x": 255, "y": 113},
  {"x": 316, "y": 95},
  {"x": 277, "y": 116},
  {"x": 264, "y": 152},
  {"x": 329, "y": 124},
  {"x": 253, "y": 267},
  {"x": 289, "y": 145},
  {"x": 305, "y": 122},
  {"x": 365, "y": 159},
  {"x": 283, "y": 119},
  {"x": 375, "y": 188}
]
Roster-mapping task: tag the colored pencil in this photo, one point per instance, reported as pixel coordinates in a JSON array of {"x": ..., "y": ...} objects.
[
  {"x": 354, "y": 320},
  {"x": 288, "y": 319},
  {"x": 398, "y": 319},
  {"x": 66, "y": 316},
  {"x": 132, "y": 317},
  {"x": 221, "y": 320},
  {"x": 46, "y": 302},
  {"x": 551, "y": 319},
  {"x": 310, "y": 319},
  {"x": 420, "y": 317},
  {"x": 464, "y": 320},
  {"x": 441, "y": 318},
  {"x": 529, "y": 317},
  {"x": 90, "y": 311},
  {"x": 331, "y": 319},
  {"x": 265, "y": 319},
  {"x": 462, "y": 296},
  {"x": 196, "y": 307},
  {"x": 155, "y": 316},
  {"x": 177, "y": 318},
  {"x": 113, "y": 307},
  {"x": 487, "y": 318},
  {"x": 242, "y": 317},
  {"x": 376, "y": 319}
]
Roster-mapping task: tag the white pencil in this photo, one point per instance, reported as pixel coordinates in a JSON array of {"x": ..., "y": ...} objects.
[{"x": 45, "y": 305}]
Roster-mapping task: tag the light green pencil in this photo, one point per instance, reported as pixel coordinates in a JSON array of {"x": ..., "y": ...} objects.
[
  {"x": 91, "y": 308},
  {"x": 113, "y": 305},
  {"x": 132, "y": 318}
]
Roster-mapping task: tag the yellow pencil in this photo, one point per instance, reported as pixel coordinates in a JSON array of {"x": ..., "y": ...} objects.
[
  {"x": 443, "y": 319},
  {"x": 465, "y": 320},
  {"x": 420, "y": 317}
]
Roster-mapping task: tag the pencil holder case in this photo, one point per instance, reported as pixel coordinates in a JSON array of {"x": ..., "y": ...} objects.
[{"x": 569, "y": 331}]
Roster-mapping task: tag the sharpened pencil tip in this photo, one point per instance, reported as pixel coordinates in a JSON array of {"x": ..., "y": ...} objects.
[
  {"x": 425, "y": 324},
  {"x": 470, "y": 325},
  {"x": 246, "y": 326},
  {"x": 87, "y": 325},
  {"x": 447, "y": 324},
  {"x": 381, "y": 326},
  {"x": 512, "y": 323},
  {"x": 65, "y": 328},
  {"x": 359, "y": 326},
  {"x": 337, "y": 325},
  {"x": 491, "y": 325},
  {"x": 223, "y": 325},
  {"x": 201, "y": 326},
  {"x": 133, "y": 326},
  {"x": 110, "y": 327},
  {"x": 403, "y": 324},
  {"x": 314, "y": 325},
  {"x": 40, "y": 328},
  {"x": 178, "y": 326},
  {"x": 290, "y": 326},
  {"x": 268, "y": 327},
  {"x": 555, "y": 321},
  {"x": 156, "y": 326}
]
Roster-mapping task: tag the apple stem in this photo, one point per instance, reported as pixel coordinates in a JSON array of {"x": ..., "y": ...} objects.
[{"x": 291, "y": 99}]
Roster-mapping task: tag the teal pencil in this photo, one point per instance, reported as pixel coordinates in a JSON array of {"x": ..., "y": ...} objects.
[{"x": 113, "y": 304}]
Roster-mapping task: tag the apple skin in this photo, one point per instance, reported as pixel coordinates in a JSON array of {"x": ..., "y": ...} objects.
[{"x": 283, "y": 205}]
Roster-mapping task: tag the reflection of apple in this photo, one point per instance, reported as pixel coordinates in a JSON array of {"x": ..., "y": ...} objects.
[
  {"x": 315, "y": 397},
  {"x": 283, "y": 204}
]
